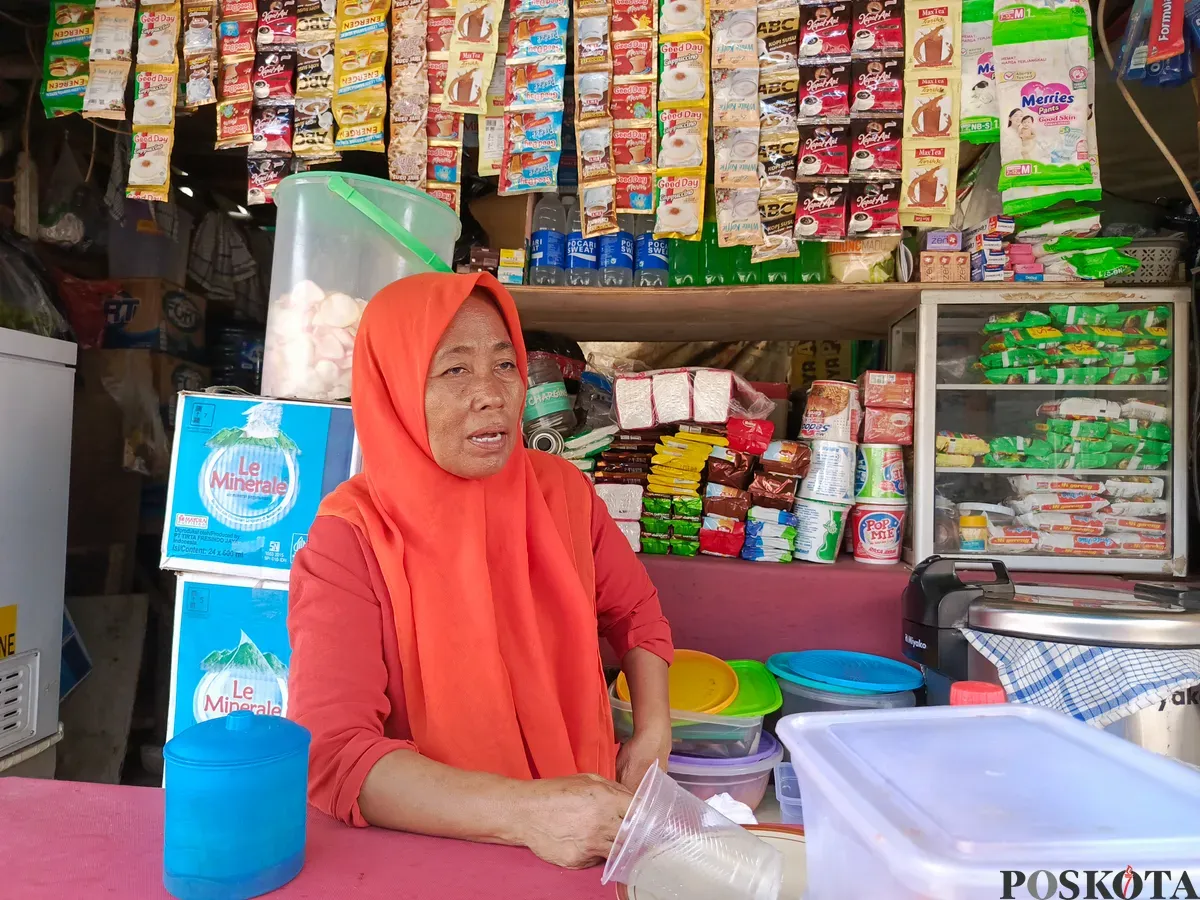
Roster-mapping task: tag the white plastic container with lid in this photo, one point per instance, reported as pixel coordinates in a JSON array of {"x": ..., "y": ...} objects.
[
  {"x": 339, "y": 239},
  {"x": 745, "y": 780},
  {"x": 800, "y": 698},
  {"x": 938, "y": 803}
]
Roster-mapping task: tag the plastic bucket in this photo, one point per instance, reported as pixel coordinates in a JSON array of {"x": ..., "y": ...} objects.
[{"x": 340, "y": 239}]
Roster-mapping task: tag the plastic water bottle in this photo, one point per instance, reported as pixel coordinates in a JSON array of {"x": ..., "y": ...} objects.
[
  {"x": 582, "y": 259},
  {"x": 616, "y": 254},
  {"x": 548, "y": 252},
  {"x": 649, "y": 254}
]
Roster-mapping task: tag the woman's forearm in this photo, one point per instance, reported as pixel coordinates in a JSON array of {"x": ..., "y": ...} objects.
[
  {"x": 405, "y": 791},
  {"x": 648, "y": 694}
]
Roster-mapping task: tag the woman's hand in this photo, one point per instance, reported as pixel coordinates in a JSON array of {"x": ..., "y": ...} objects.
[
  {"x": 573, "y": 821},
  {"x": 648, "y": 747}
]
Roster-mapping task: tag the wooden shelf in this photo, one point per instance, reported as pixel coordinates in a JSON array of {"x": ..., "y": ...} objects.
[{"x": 751, "y": 312}]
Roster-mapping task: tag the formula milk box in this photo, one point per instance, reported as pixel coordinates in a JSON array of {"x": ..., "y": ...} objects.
[
  {"x": 230, "y": 650},
  {"x": 247, "y": 476}
]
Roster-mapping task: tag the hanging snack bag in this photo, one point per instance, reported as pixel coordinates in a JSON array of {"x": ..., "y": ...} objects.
[
  {"x": 235, "y": 37},
  {"x": 931, "y": 107},
  {"x": 736, "y": 96},
  {"x": 112, "y": 39},
  {"x": 1041, "y": 76},
  {"x": 824, "y": 150},
  {"x": 683, "y": 17},
  {"x": 979, "y": 111},
  {"x": 927, "y": 196},
  {"x": 263, "y": 176},
  {"x": 735, "y": 39},
  {"x": 234, "y": 128},
  {"x": 633, "y": 17},
  {"x": 778, "y": 33},
  {"x": 877, "y": 86},
  {"x": 150, "y": 164},
  {"x": 635, "y": 58},
  {"x": 932, "y": 35},
  {"x": 875, "y": 148},
  {"x": 824, "y": 31},
  {"x": 274, "y": 75},
  {"x": 777, "y": 155},
  {"x": 539, "y": 85},
  {"x": 778, "y": 99},
  {"x": 777, "y": 212},
  {"x": 105, "y": 95},
  {"x": 821, "y": 210},
  {"x": 738, "y": 224},
  {"x": 737, "y": 158},
  {"x": 64, "y": 79},
  {"x": 633, "y": 104},
  {"x": 277, "y": 23},
  {"x": 154, "y": 95},
  {"x": 315, "y": 20},
  {"x": 874, "y": 209},
  {"x": 355, "y": 18},
  {"x": 679, "y": 205},
  {"x": 825, "y": 89},
  {"x": 158, "y": 34},
  {"x": 683, "y": 69},
  {"x": 315, "y": 69},
  {"x": 683, "y": 139},
  {"x": 877, "y": 27}
]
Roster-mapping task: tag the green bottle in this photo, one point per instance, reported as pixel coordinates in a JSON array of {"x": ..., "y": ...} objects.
[
  {"x": 684, "y": 263},
  {"x": 744, "y": 270},
  {"x": 812, "y": 265},
  {"x": 777, "y": 271}
]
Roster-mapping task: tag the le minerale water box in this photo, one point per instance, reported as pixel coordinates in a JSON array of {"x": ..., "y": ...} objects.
[
  {"x": 230, "y": 650},
  {"x": 247, "y": 476}
]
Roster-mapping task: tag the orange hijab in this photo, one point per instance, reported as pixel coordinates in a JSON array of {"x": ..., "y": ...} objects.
[{"x": 491, "y": 581}]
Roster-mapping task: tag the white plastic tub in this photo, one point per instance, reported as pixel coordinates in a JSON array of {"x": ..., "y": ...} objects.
[
  {"x": 937, "y": 803},
  {"x": 743, "y": 779},
  {"x": 800, "y": 698}
]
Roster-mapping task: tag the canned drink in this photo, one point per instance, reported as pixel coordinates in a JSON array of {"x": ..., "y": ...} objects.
[
  {"x": 878, "y": 530},
  {"x": 819, "y": 532},
  {"x": 829, "y": 412},
  {"x": 879, "y": 475},
  {"x": 830, "y": 475}
]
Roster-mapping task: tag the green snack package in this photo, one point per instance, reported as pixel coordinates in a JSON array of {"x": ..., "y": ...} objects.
[
  {"x": 1138, "y": 375},
  {"x": 1081, "y": 315},
  {"x": 655, "y": 544},
  {"x": 1137, "y": 356},
  {"x": 64, "y": 79},
  {"x": 1081, "y": 375},
  {"x": 1154, "y": 336},
  {"x": 1123, "y": 443},
  {"x": 72, "y": 23},
  {"x": 1103, "y": 337},
  {"x": 1132, "y": 461},
  {"x": 1074, "y": 461},
  {"x": 685, "y": 527},
  {"x": 1092, "y": 266},
  {"x": 1010, "y": 445},
  {"x": 1041, "y": 337},
  {"x": 1013, "y": 359},
  {"x": 1050, "y": 223},
  {"x": 1021, "y": 318},
  {"x": 655, "y": 525},
  {"x": 656, "y": 504},
  {"x": 685, "y": 546},
  {"x": 1140, "y": 318},
  {"x": 1076, "y": 429},
  {"x": 687, "y": 507},
  {"x": 1062, "y": 443},
  {"x": 1002, "y": 461},
  {"x": 1012, "y": 376},
  {"x": 1154, "y": 431},
  {"x": 1070, "y": 354}
]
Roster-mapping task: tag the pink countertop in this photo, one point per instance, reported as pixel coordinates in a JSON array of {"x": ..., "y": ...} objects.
[{"x": 67, "y": 839}]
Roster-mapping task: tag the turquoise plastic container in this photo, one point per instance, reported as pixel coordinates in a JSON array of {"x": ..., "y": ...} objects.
[{"x": 236, "y": 805}]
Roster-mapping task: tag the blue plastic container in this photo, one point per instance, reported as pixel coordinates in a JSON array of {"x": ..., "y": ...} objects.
[{"x": 235, "y": 807}]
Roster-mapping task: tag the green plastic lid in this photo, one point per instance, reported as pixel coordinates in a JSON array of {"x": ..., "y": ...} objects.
[{"x": 758, "y": 691}]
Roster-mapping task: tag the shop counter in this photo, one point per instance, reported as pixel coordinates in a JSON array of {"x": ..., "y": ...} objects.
[{"x": 68, "y": 839}]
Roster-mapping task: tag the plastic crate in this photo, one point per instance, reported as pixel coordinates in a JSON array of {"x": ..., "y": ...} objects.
[{"x": 1159, "y": 258}]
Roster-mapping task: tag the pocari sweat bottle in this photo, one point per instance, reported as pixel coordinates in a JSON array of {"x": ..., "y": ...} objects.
[
  {"x": 649, "y": 254},
  {"x": 582, "y": 263},
  {"x": 616, "y": 254},
  {"x": 548, "y": 250}
]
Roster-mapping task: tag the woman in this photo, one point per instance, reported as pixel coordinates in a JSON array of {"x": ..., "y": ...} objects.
[{"x": 444, "y": 613}]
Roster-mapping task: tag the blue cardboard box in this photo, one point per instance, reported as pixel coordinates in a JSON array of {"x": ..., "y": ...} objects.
[
  {"x": 230, "y": 650},
  {"x": 247, "y": 476}
]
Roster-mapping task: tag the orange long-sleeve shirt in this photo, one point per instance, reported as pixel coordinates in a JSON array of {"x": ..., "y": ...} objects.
[{"x": 344, "y": 683}]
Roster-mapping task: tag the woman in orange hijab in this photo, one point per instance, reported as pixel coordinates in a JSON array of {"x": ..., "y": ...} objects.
[{"x": 444, "y": 615}]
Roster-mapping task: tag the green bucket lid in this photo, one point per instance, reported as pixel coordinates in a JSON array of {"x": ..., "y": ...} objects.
[{"x": 758, "y": 691}]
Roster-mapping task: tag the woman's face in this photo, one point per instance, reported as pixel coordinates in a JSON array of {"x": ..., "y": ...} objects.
[{"x": 474, "y": 395}]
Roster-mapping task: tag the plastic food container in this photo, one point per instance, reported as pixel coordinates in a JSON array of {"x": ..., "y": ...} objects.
[
  {"x": 939, "y": 802},
  {"x": 339, "y": 239},
  {"x": 787, "y": 792},
  {"x": 236, "y": 806},
  {"x": 758, "y": 691},
  {"x": 800, "y": 698},
  {"x": 698, "y": 682},
  {"x": 743, "y": 779},
  {"x": 698, "y": 734}
]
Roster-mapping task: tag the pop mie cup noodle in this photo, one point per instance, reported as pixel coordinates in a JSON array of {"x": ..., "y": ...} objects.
[
  {"x": 819, "y": 532},
  {"x": 829, "y": 412},
  {"x": 830, "y": 475},
  {"x": 879, "y": 475},
  {"x": 877, "y": 533}
]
